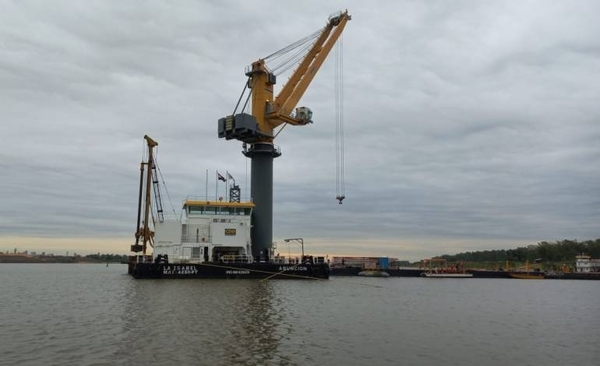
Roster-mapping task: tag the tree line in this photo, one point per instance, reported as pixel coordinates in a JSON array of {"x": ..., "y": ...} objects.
[
  {"x": 563, "y": 250},
  {"x": 112, "y": 258}
]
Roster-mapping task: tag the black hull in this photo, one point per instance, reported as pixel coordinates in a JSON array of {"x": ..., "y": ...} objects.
[
  {"x": 573, "y": 276},
  {"x": 397, "y": 272},
  {"x": 477, "y": 273},
  {"x": 405, "y": 272},
  {"x": 345, "y": 271},
  {"x": 485, "y": 273},
  {"x": 230, "y": 270},
  {"x": 490, "y": 273}
]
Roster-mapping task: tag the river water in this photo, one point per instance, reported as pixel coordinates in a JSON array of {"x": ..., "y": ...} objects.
[{"x": 91, "y": 314}]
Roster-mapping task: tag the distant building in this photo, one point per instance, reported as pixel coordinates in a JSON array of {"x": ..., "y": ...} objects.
[
  {"x": 362, "y": 262},
  {"x": 398, "y": 263},
  {"x": 585, "y": 264}
]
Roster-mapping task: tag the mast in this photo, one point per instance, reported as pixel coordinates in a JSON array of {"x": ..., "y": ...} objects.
[{"x": 144, "y": 232}]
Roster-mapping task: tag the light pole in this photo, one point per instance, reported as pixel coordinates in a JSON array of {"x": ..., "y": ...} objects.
[{"x": 299, "y": 240}]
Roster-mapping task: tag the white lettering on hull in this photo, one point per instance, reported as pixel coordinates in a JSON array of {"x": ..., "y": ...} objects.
[
  {"x": 180, "y": 270},
  {"x": 237, "y": 272},
  {"x": 293, "y": 268}
]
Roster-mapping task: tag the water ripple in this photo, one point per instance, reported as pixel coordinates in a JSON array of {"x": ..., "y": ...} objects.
[{"x": 94, "y": 315}]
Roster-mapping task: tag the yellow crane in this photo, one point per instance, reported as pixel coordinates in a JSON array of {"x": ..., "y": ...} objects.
[{"x": 269, "y": 112}]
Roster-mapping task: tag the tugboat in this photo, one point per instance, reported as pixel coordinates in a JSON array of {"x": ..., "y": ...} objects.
[
  {"x": 537, "y": 275},
  {"x": 211, "y": 239}
]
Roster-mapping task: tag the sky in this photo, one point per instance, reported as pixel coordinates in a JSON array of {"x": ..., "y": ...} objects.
[{"x": 468, "y": 125}]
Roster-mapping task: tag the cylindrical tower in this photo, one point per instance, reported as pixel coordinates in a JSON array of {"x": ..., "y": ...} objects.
[{"x": 261, "y": 179}]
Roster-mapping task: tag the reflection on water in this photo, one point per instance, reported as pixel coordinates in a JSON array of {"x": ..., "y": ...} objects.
[
  {"x": 254, "y": 331},
  {"x": 217, "y": 321},
  {"x": 96, "y": 315}
]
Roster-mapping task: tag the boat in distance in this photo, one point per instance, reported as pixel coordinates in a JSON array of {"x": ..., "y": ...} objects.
[
  {"x": 439, "y": 268},
  {"x": 527, "y": 276},
  {"x": 447, "y": 275}
]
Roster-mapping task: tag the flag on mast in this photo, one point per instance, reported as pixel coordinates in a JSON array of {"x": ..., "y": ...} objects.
[
  {"x": 229, "y": 176},
  {"x": 220, "y": 177}
]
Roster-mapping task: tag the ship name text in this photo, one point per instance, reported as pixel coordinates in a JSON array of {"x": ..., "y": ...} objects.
[
  {"x": 180, "y": 270},
  {"x": 237, "y": 272},
  {"x": 293, "y": 268}
]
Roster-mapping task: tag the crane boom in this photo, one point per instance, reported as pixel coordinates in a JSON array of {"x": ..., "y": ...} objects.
[
  {"x": 269, "y": 112},
  {"x": 290, "y": 94}
]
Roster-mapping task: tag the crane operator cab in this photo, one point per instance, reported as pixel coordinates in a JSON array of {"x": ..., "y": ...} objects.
[{"x": 304, "y": 114}]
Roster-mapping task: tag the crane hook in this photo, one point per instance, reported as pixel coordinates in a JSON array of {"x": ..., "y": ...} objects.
[{"x": 340, "y": 198}]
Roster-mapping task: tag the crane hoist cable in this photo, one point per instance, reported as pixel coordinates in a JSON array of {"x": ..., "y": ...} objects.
[
  {"x": 304, "y": 44},
  {"x": 164, "y": 184},
  {"x": 299, "y": 43},
  {"x": 339, "y": 122},
  {"x": 293, "y": 60},
  {"x": 156, "y": 206},
  {"x": 157, "y": 197}
]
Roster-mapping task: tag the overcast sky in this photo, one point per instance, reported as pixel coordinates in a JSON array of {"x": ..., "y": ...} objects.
[{"x": 469, "y": 125}]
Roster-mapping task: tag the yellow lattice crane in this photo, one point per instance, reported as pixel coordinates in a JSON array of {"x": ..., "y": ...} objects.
[{"x": 270, "y": 112}]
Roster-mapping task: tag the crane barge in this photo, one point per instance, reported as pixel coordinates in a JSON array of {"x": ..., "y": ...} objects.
[{"x": 217, "y": 239}]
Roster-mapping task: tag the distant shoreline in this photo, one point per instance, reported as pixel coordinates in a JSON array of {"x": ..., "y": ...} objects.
[{"x": 56, "y": 262}]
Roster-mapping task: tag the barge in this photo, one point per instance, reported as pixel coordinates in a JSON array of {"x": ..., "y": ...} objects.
[{"x": 210, "y": 239}]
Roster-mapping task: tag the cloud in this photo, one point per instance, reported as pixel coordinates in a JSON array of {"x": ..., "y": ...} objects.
[{"x": 464, "y": 122}]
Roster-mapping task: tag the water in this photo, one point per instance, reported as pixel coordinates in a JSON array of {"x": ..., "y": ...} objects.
[{"x": 90, "y": 314}]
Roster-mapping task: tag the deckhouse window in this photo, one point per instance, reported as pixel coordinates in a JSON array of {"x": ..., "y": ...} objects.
[{"x": 196, "y": 251}]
